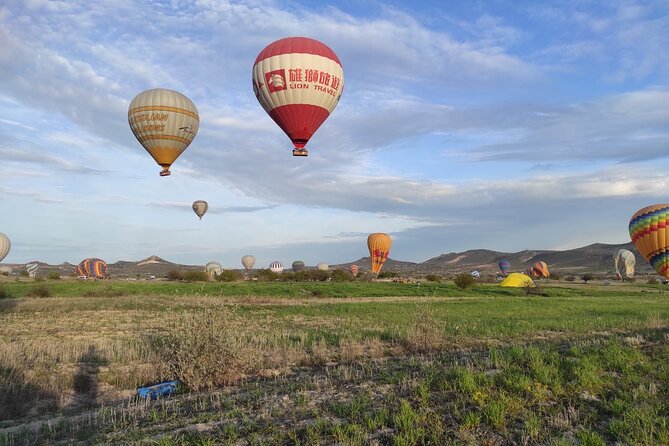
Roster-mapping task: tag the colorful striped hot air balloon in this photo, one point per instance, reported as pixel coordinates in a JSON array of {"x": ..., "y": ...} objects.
[
  {"x": 165, "y": 123},
  {"x": 200, "y": 208},
  {"x": 92, "y": 268},
  {"x": 379, "y": 247},
  {"x": 539, "y": 269},
  {"x": 248, "y": 262},
  {"x": 504, "y": 266},
  {"x": 5, "y": 246},
  {"x": 32, "y": 268},
  {"x": 276, "y": 267},
  {"x": 298, "y": 265},
  {"x": 354, "y": 270},
  {"x": 650, "y": 233},
  {"x": 298, "y": 81},
  {"x": 624, "y": 257}
]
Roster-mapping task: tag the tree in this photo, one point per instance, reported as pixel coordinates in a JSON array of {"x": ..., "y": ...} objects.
[{"x": 587, "y": 277}]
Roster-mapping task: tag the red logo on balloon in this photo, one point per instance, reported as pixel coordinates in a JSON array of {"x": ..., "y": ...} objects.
[{"x": 276, "y": 80}]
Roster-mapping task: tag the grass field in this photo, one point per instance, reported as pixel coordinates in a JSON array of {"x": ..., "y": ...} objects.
[{"x": 334, "y": 363}]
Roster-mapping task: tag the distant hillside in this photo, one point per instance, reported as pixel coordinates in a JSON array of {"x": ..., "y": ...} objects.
[{"x": 595, "y": 258}]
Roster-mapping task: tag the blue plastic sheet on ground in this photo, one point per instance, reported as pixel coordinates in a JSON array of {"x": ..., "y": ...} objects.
[{"x": 158, "y": 390}]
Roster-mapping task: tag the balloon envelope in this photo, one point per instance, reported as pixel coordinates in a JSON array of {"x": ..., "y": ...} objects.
[
  {"x": 379, "y": 247},
  {"x": 539, "y": 269},
  {"x": 32, "y": 268},
  {"x": 354, "y": 270},
  {"x": 322, "y": 267},
  {"x": 475, "y": 274},
  {"x": 165, "y": 123},
  {"x": 5, "y": 246},
  {"x": 517, "y": 280},
  {"x": 213, "y": 269},
  {"x": 650, "y": 234},
  {"x": 200, "y": 208},
  {"x": 505, "y": 266},
  {"x": 276, "y": 267},
  {"x": 298, "y": 265},
  {"x": 248, "y": 262},
  {"x": 298, "y": 81},
  {"x": 624, "y": 257},
  {"x": 92, "y": 267}
]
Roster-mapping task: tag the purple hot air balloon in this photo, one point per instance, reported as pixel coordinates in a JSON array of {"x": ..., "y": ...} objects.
[{"x": 505, "y": 266}]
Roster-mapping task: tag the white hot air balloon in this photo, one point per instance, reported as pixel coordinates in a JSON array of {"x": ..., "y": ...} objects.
[
  {"x": 624, "y": 257},
  {"x": 32, "y": 269},
  {"x": 322, "y": 267},
  {"x": 5, "y": 246},
  {"x": 276, "y": 267},
  {"x": 213, "y": 269},
  {"x": 248, "y": 261},
  {"x": 165, "y": 122},
  {"x": 6, "y": 270}
]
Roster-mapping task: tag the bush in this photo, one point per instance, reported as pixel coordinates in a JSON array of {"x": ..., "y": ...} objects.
[
  {"x": 174, "y": 275},
  {"x": 433, "y": 278},
  {"x": 195, "y": 276},
  {"x": 340, "y": 275},
  {"x": 387, "y": 275},
  {"x": 570, "y": 278},
  {"x": 653, "y": 281},
  {"x": 265, "y": 275},
  {"x": 39, "y": 291},
  {"x": 587, "y": 277},
  {"x": 229, "y": 275},
  {"x": 53, "y": 275},
  {"x": 207, "y": 349},
  {"x": 23, "y": 273},
  {"x": 4, "y": 293},
  {"x": 464, "y": 280},
  {"x": 555, "y": 276}
]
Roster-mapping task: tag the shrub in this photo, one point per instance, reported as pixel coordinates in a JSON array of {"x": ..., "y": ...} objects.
[
  {"x": 23, "y": 273},
  {"x": 174, "y": 275},
  {"x": 630, "y": 279},
  {"x": 340, "y": 275},
  {"x": 555, "y": 276},
  {"x": 570, "y": 278},
  {"x": 53, "y": 275},
  {"x": 433, "y": 278},
  {"x": 265, "y": 275},
  {"x": 653, "y": 281},
  {"x": 4, "y": 293},
  {"x": 587, "y": 277},
  {"x": 195, "y": 276},
  {"x": 39, "y": 291},
  {"x": 207, "y": 349},
  {"x": 229, "y": 275},
  {"x": 387, "y": 275},
  {"x": 319, "y": 276},
  {"x": 464, "y": 280}
]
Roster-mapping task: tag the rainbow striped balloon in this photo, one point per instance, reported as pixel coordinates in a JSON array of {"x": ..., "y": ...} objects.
[{"x": 650, "y": 235}]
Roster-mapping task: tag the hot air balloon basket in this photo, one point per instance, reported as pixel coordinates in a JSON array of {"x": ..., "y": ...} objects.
[
  {"x": 300, "y": 152},
  {"x": 159, "y": 390},
  {"x": 165, "y": 173}
]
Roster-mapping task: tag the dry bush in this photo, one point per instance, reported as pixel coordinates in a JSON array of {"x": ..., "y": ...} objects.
[
  {"x": 207, "y": 349},
  {"x": 424, "y": 334},
  {"x": 464, "y": 281},
  {"x": 39, "y": 291}
]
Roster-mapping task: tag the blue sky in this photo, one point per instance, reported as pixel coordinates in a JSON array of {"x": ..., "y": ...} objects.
[{"x": 504, "y": 125}]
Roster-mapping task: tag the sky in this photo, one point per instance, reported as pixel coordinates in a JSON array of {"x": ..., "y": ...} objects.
[{"x": 500, "y": 124}]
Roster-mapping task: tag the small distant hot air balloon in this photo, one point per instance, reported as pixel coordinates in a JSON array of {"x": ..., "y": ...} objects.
[
  {"x": 624, "y": 257},
  {"x": 379, "y": 248},
  {"x": 298, "y": 81},
  {"x": 650, "y": 233},
  {"x": 475, "y": 274},
  {"x": 298, "y": 265},
  {"x": 322, "y": 267},
  {"x": 248, "y": 262},
  {"x": 539, "y": 269},
  {"x": 354, "y": 270},
  {"x": 165, "y": 123},
  {"x": 213, "y": 269},
  {"x": 94, "y": 268},
  {"x": 200, "y": 208},
  {"x": 505, "y": 266},
  {"x": 5, "y": 270},
  {"x": 5, "y": 246},
  {"x": 32, "y": 268},
  {"x": 276, "y": 267}
]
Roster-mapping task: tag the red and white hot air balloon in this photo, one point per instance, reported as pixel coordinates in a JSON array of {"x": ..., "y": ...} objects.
[{"x": 298, "y": 81}]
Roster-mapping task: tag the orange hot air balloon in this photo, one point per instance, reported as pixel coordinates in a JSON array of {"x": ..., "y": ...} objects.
[
  {"x": 379, "y": 248},
  {"x": 539, "y": 269},
  {"x": 298, "y": 81},
  {"x": 650, "y": 233}
]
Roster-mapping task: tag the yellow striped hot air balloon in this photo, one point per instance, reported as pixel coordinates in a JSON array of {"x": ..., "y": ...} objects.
[
  {"x": 165, "y": 123},
  {"x": 379, "y": 248},
  {"x": 649, "y": 232}
]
